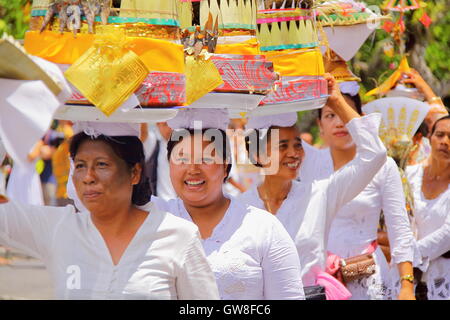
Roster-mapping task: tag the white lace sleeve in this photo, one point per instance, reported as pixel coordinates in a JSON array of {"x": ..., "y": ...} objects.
[
  {"x": 436, "y": 243},
  {"x": 346, "y": 183},
  {"x": 399, "y": 230},
  {"x": 281, "y": 267}
]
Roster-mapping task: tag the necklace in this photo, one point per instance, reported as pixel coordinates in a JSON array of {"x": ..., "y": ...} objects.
[
  {"x": 430, "y": 178},
  {"x": 266, "y": 199}
]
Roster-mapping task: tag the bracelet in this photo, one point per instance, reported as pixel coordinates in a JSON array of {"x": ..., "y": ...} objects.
[
  {"x": 408, "y": 277},
  {"x": 435, "y": 98}
]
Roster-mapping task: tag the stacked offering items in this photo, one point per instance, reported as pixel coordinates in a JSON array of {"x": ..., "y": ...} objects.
[
  {"x": 128, "y": 46},
  {"x": 288, "y": 38},
  {"x": 346, "y": 25},
  {"x": 227, "y": 32}
]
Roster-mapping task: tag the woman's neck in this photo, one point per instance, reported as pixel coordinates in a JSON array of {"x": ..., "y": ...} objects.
[
  {"x": 438, "y": 170},
  {"x": 119, "y": 221},
  {"x": 342, "y": 156},
  {"x": 208, "y": 216},
  {"x": 273, "y": 191},
  {"x": 274, "y": 188}
]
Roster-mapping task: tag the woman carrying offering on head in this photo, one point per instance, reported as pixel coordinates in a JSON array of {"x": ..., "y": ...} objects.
[
  {"x": 354, "y": 229},
  {"x": 119, "y": 246},
  {"x": 306, "y": 208},
  {"x": 250, "y": 252}
]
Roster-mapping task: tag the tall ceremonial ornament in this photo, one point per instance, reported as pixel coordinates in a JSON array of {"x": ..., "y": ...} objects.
[
  {"x": 288, "y": 37},
  {"x": 224, "y": 34},
  {"x": 401, "y": 117},
  {"x": 129, "y": 50}
]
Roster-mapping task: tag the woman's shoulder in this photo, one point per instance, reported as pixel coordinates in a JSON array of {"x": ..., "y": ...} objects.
[
  {"x": 255, "y": 217},
  {"x": 249, "y": 197},
  {"x": 390, "y": 166},
  {"x": 170, "y": 222},
  {"x": 414, "y": 172}
]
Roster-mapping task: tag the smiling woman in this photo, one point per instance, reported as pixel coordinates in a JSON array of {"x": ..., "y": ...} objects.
[
  {"x": 250, "y": 253},
  {"x": 119, "y": 246},
  {"x": 306, "y": 208}
]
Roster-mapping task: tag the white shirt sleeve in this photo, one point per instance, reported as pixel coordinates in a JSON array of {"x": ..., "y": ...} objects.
[
  {"x": 281, "y": 267},
  {"x": 399, "y": 230},
  {"x": 195, "y": 279},
  {"x": 436, "y": 243},
  {"x": 350, "y": 180},
  {"x": 28, "y": 228}
]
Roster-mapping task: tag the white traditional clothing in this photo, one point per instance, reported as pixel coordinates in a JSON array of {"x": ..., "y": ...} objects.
[
  {"x": 250, "y": 253},
  {"x": 432, "y": 219},
  {"x": 311, "y": 205},
  {"x": 356, "y": 224},
  {"x": 164, "y": 260}
]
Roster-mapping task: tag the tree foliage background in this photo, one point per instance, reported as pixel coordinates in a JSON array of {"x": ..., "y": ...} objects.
[
  {"x": 427, "y": 49},
  {"x": 14, "y": 17}
]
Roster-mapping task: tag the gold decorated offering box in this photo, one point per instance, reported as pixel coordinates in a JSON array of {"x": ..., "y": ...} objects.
[
  {"x": 236, "y": 53},
  {"x": 288, "y": 38},
  {"x": 62, "y": 31}
]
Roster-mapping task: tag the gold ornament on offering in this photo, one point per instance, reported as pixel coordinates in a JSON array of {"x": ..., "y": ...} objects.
[
  {"x": 202, "y": 75},
  {"x": 108, "y": 73},
  {"x": 338, "y": 68}
]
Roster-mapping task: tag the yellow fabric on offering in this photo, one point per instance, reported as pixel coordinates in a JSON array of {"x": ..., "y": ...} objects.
[
  {"x": 157, "y": 55},
  {"x": 392, "y": 80},
  {"x": 294, "y": 62},
  {"x": 114, "y": 72},
  {"x": 202, "y": 77}
]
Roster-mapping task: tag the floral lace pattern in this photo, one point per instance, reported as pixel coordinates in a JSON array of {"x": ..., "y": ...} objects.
[{"x": 373, "y": 287}]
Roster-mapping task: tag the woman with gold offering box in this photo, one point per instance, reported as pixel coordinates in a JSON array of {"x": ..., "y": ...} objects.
[
  {"x": 431, "y": 187},
  {"x": 307, "y": 208},
  {"x": 119, "y": 246},
  {"x": 250, "y": 253}
]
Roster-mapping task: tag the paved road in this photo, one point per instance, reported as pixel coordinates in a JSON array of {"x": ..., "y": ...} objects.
[{"x": 23, "y": 277}]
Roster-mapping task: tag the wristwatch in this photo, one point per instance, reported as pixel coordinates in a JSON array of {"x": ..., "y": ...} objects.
[{"x": 408, "y": 277}]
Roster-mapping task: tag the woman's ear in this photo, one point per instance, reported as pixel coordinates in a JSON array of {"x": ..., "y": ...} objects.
[
  {"x": 136, "y": 173},
  {"x": 319, "y": 124}
]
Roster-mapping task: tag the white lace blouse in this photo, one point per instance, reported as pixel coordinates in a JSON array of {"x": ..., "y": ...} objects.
[
  {"x": 311, "y": 205},
  {"x": 356, "y": 224},
  {"x": 250, "y": 252},
  {"x": 432, "y": 219},
  {"x": 164, "y": 260}
]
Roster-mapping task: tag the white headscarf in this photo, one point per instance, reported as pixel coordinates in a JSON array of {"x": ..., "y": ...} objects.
[
  {"x": 202, "y": 118},
  {"x": 279, "y": 120}
]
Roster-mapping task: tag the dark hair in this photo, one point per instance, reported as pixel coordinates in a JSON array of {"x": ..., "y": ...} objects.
[
  {"x": 223, "y": 150},
  {"x": 423, "y": 130},
  {"x": 356, "y": 100},
  {"x": 127, "y": 148},
  {"x": 447, "y": 117},
  {"x": 254, "y": 153}
]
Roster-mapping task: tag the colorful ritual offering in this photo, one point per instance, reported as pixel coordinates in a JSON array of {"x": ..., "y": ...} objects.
[
  {"x": 238, "y": 150},
  {"x": 288, "y": 37},
  {"x": 135, "y": 41}
]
